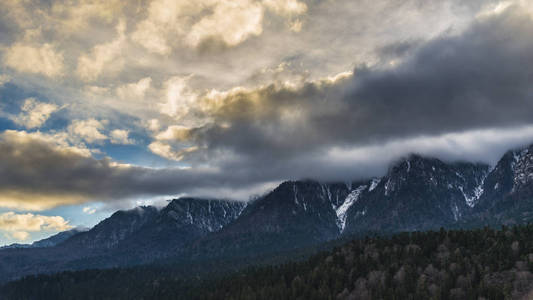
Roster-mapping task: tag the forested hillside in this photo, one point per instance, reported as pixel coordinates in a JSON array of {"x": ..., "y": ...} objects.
[{"x": 460, "y": 264}]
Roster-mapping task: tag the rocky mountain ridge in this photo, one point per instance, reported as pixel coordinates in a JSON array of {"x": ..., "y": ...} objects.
[{"x": 417, "y": 193}]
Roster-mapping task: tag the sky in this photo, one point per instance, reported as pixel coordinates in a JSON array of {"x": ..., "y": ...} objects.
[{"x": 107, "y": 105}]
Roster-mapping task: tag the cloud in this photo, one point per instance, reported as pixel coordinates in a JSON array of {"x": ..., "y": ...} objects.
[
  {"x": 153, "y": 125},
  {"x": 477, "y": 79},
  {"x": 179, "y": 97},
  {"x": 135, "y": 90},
  {"x": 20, "y": 235},
  {"x": 38, "y": 198},
  {"x": 173, "y": 143},
  {"x": 436, "y": 73},
  {"x": 168, "y": 151},
  {"x": 34, "y": 114},
  {"x": 38, "y": 174},
  {"x": 88, "y": 130},
  {"x": 231, "y": 22},
  {"x": 482, "y": 145},
  {"x": 163, "y": 16},
  {"x": 195, "y": 22},
  {"x": 4, "y": 79},
  {"x": 286, "y": 7},
  {"x": 57, "y": 141},
  {"x": 103, "y": 57},
  {"x": 66, "y": 18},
  {"x": 120, "y": 136},
  {"x": 77, "y": 15},
  {"x": 89, "y": 210},
  {"x": 39, "y": 59},
  {"x": 13, "y": 222},
  {"x": 174, "y": 133}
]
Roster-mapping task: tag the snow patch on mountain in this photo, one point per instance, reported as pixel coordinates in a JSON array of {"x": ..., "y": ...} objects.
[
  {"x": 456, "y": 213},
  {"x": 478, "y": 191},
  {"x": 348, "y": 202},
  {"x": 389, "y": 187},
  {"x": 522, "y": 167},
  {"x": 472, "y": 200},
  {"x": 295, "y": 191},
  {"x": 375, "y": 182}
]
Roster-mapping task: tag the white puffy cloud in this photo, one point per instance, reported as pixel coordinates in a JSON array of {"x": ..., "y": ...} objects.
[
  {"x": 42, "y": 59},
  {"x": 120, "y": 136},
  {"x": 180, "y": 99},
  {"x": 34, "y": 114},
  {"x": 88, "y": 130},
  {"x": 165, "y": 18},
  {"x": 11, "y": 221},
  {"x": 135, "y": 90},
  {"x": 193, "y": 22},
  {"x": 232, "y": 22}
]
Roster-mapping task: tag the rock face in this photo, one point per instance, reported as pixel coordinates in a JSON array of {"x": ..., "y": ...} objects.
[
  {"x": 507, "y": 196},
  {"x": 293, "y": 215},
  {"x": 125, "y": 238},
  {"x": 180, "y": 223},
  {"x": 111, "y": 231},
  {"x": 202, "y": 214},
  {"x": 146, "y": 227},
  {"x": 417, "y": 194}
]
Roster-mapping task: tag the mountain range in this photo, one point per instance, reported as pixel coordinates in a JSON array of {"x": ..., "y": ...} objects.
[
  {"x": 49, "y": 241},
  {"x": 417, "y": 194}
]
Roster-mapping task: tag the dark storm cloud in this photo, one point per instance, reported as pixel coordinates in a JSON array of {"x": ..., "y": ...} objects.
[
  {"x": 397, "y": 50},
  {"x": 37, "y": 174},
  {"x": 481, "y": 78}
]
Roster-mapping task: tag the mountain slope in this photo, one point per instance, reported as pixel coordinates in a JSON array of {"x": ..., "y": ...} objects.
[
  {"x": 58, "y": 238},
  {"x": 125, "y": 238},
  {"x": 50, "y": 241},
  {"x": 417, "y": 194},
  {"x": 108, "y": 233},
  {"x": 508, "y": 190},
  {"x": 295, "y": 214},
  {"x": 180, "y": 223}
]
